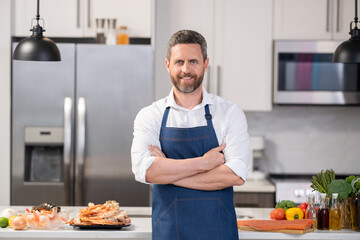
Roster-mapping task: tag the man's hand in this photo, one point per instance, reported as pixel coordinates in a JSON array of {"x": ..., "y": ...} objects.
[
  {"x": 155, "y": 151},
  {"x": 214, "y": 157}
]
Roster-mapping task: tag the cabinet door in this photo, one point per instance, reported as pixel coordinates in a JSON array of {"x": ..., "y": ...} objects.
[
  {"x": 244, "y": 54},
  {"x": 305, "y": 19},
  {"x": 61, "y": 18},
  {"x": 344, "y": 10},
  {"x": 174, "y": 15},
  {"x": 135, "y": 14}
]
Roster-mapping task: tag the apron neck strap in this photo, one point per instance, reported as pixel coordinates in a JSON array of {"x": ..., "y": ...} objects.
[
  {"x": 165, "y": 117},
  {"x": 208, "y": 116}
]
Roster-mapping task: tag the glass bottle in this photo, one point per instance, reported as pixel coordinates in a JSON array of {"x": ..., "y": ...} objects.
[
  {"x": 100, "y": 31},
  {"x": 355, "y": 212},
  {"x": 310, "y": 212},
  {"x": 111, "y": 33},
  {"x": 323, "y": 213},
  {"x": 335, "y": 214},
  {"x": 122, "y": 37}
]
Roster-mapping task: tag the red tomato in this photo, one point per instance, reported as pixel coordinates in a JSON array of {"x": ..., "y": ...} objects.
[{"x": 277, "y": 214}]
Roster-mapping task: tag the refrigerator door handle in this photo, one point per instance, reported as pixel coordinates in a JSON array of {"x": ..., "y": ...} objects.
[
  {"x": 67, "y": 150},
  {"x": 80, "y": 152}
]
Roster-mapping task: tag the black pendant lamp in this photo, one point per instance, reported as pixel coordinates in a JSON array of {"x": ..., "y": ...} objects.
[
  {"x": 349, "y": 51},
  {"x": 37, "y": 47}
]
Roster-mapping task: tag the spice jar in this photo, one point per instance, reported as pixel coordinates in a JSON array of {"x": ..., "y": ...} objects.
[
  {"x": 122, "y": 37},
  {"x": 111, "y": 33},
  {"x": 100, "y": 31}
]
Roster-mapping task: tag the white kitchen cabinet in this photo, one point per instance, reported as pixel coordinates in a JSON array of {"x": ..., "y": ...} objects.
[
  {"x": 61, "y": 18},
  {"x": 243, "y": 54},
  {"x": 76, "y": 18},
  {"x": 171, "y": 16},
  {"x": 313, "y": 19},
  {"x": 239, "y": 40},
  {"x": 135, "y": 14}
]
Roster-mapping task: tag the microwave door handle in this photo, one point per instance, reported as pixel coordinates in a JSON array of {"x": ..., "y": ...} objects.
[
  {"x": 80, "y": 152},
  {"x": 67, "y": 150}
]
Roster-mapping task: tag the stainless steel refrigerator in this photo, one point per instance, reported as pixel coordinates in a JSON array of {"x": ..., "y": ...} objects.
[{"x": 72, "y": 125}]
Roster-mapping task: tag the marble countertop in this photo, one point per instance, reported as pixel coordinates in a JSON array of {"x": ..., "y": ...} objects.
[{"x": 141, "y": 228}]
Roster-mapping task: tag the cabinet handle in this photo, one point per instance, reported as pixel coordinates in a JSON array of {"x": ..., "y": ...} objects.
[
  {"x": 208, "y": 79},
  {"x": 78, "y": 14},
  {"x": 88, "y": 14},
  {"x": 338, "y": 16},
  {"x": 328, "y": 15},
  {"x": 218, "y": 92},
  {"x": 67, "y": 151}
]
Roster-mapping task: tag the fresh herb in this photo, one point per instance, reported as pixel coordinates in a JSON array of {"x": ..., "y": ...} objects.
[{"x": 321, "y": 181}]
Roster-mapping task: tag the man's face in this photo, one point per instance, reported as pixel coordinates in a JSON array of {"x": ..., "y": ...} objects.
[{"x": 186, "y": 67}]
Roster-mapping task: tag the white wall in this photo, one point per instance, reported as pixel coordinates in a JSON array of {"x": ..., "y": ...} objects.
[{"x": 5, "y": 60}]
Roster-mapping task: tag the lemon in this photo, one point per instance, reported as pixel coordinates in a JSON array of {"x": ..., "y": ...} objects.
[
  {"x": 4, "y": 222},
  {"x": 10, "y": 219}
]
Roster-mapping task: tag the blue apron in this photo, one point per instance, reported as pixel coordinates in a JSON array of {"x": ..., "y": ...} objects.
[{"x": 182, "y": 213}]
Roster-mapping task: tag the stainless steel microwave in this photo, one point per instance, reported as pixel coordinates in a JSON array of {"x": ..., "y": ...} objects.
[{"x": 305, "y": 74}]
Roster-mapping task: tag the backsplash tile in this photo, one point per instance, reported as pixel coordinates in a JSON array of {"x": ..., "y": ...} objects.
[{"x": 306, "y": 139}]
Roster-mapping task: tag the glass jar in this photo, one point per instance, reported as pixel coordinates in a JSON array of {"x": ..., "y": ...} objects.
[
  {"x": 111, "y": 33},
  {"x": 122, "y": 37},
  {"x": 355, "y": 212},
  {"x": 100, "y": 31}
]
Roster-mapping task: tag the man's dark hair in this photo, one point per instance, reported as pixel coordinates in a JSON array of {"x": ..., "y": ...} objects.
[{"x": 187, "y": 36}]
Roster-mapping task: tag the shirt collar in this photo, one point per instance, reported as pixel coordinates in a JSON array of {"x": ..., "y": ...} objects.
[{"x": 207, "y": 99}]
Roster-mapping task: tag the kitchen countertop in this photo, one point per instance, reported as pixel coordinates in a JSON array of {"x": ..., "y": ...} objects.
[
  {"x": 141, "y": 228},
  {"x": 258, "y": 186}
]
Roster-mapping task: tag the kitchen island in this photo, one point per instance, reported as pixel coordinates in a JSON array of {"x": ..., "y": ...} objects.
[{"x": 141, "y": 228}]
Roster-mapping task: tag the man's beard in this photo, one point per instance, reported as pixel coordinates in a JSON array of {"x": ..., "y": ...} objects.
[{"x": 187, "y": 87}]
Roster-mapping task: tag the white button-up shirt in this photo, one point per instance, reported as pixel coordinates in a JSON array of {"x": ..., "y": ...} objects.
[{"x": 229, "y": 123}]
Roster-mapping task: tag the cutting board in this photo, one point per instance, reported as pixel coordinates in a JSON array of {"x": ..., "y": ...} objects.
[{"x": 291, "y": 231}]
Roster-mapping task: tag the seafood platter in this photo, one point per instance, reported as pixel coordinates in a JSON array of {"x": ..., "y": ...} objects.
[
  {"x": 101, "y": 216},
  {"x": 46, "y": 216}
]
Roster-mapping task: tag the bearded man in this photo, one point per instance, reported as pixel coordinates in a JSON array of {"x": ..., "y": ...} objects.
[{"x": 193, "y": 147}]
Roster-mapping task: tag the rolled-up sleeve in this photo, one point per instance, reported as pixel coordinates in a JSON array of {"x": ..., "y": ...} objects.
[
  {"x": 146, "y": 132},
  {"x": 237, "y": 150}
]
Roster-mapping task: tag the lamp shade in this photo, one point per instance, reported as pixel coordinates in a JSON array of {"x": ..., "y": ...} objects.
[
  {"x": 348, "y": 52},
  {"x": 37, "y": 48}
]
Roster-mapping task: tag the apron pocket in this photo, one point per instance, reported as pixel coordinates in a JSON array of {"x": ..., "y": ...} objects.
[
  {"x": 164, "y": 224},
  {"x": 198, "y": 219},
  {"x": 228, "y": 221}
]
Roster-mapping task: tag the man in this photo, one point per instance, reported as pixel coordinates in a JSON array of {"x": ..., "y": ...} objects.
[{"x": 176, "y": 148}]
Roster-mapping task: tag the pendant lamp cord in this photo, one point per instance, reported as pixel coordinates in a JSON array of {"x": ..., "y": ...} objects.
[
  {"x": 38, "y": 12},
  {"x": 356, "y": 13}
]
